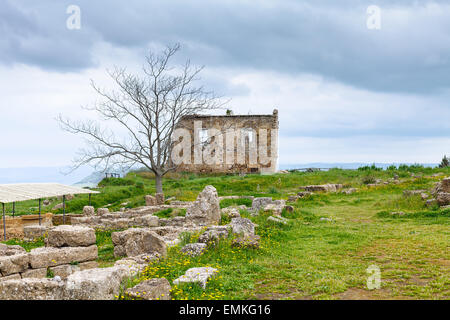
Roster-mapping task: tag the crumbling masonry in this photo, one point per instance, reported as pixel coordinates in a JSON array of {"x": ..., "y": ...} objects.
[{"x": 239, "y": 136}]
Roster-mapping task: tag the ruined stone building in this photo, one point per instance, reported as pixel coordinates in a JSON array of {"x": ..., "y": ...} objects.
[{"x": 227, "y": 143}]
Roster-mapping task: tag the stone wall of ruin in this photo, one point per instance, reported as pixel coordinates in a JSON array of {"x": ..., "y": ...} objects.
[
  {"x": 15, "y": 225},
  {"x": 233, "y": 122}
]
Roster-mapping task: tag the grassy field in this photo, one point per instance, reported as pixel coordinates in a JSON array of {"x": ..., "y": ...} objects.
[{"x": 310, "y": 258}]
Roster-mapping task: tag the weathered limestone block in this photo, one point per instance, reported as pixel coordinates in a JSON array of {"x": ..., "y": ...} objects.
[
  {"x": 197, "y": 275},
  {"x": 293, "y": 198},
  {"x": 145, "y": 258},
  {"x": 242, "y": 226},
  {"x": 213, "y": 235},
  {"x": 410, "y": 193},
  {"x": 88, "y": 211},
  {"x": 147, "y": 220},
  {"x": 159, "y": 198},
  {"x": 303, "y": 194},
  {"x": 15, "y": 276},
  {"x": 102, "y": 211},
  {"x": 34, "y": 273},
  {"x": 247, "y": 241},
  {"x": 96, "y": 284},
  {"x": 71, "y": 236},
  {"x": 10, "y": 250},
  {"x": 14, "y": 264},
  {"x": 260, "y": 203},
  {"x": 289, "y": 209},
  {"x": 85, "y": 220},
  {"x": 445, "y": 185},
  {"x": 206, "y": 209},
  {"x": 32, "y": 289},
  {"x": 278, "y": 219},
  {"x": 152, "y": 289},
  {"x": 134, "y": 267},
  {"x": 136, "y": 241},
  {"x": 442, "y": 186},
  {"x": 150, "y": 200},
  {"x": 115, "y": 224},
  {"x": 194, "y": 249},
  {"x": 34, "y": 231},
  {"x": 274, "y": 208},
  {"x": 85, "y": 265},
  {"x": 349, "y": 191},
  {"x": 175, "y": 221},
  {"x": 230, "y": 212},
  {"x": 65, "y": 270},
  {"x": 324, "y": 187},
  {"x": 443, "y": 198},
  {"x": 49, "y": 257}
]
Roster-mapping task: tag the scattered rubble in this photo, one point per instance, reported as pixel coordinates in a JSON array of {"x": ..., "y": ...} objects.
[
  {"x": 323, "y": 187},
  {"x": 70, "y": 236},
  {"x": 68, "y": 250},
  {"x": 213, "y": 234},
  {"x": 152, "y": 289},
  {"x": 206, "y": 209},
  {"x": 194, "y": 249},
  {"x": 242, "y": 226},
  {"x": 247, "y": 241},
  {"x": 278, "y": 219},
  {"x": 230, "y": 212},
  {"x": 197, "y": 275},
  {"x": 136, "y": 241},
  {"x": 88, "y": 211}
]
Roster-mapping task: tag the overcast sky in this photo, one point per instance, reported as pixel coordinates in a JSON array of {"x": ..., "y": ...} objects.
[{"x": 345, "y": 93}]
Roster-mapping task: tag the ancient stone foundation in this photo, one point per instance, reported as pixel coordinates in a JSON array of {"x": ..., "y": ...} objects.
[
  {"x": 69, "y": 249},
  {"x": 15, "y": 225},
  {"x": 236, "y": 135}
]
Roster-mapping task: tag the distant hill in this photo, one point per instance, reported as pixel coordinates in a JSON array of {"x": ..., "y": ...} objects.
[
  {"x": 91, "y": 180},
  {"x": 354, "y": 165}
]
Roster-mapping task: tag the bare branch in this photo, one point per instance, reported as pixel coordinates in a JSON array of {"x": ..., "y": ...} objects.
[{"x": 147, "y": 107}]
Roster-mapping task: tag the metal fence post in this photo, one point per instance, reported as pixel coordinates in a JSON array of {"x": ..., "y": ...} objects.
[
  {"x": 64, "y": 209},
  {"x": 4, "y": 222},
  {"x": 39, "y": 211}
]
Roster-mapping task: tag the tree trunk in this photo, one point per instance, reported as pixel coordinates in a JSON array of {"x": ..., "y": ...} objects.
[{"x": 158, "y": 179}]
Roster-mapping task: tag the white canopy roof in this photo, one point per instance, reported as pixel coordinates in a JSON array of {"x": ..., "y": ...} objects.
[{"x": 31, "y": 191}]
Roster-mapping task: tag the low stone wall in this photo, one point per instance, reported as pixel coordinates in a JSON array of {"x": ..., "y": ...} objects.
[
  {"x": 57, "y": 219},
  {"x": 15, "y": 225},
  {"x": 69, "y": 249},
  {"x": 138, "y": 217},
  {"x": 92, "y": 284}
]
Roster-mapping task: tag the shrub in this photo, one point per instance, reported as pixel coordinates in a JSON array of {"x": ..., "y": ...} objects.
[
  {"x": 140, "y": 185},
  {"x": 115, "y": 182},
  {"x": 373, "y": 167},
  {"x": 368, "y": 179},
  {"x": 445, "y": 163}
]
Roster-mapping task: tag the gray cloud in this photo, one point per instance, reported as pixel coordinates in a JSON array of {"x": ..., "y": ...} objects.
[{"x": 411, "y": 53}]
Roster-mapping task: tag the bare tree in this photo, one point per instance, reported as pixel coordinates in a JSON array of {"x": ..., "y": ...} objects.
[{"x": 148, "y": 107}]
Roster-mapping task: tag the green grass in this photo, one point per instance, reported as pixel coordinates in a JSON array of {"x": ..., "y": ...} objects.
[
  {"x": 170, "y": 213},
  {"x": 27, "y": 245},
  {"x": 235, "y": 202},
  {"x": 310, "y": 258}
]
